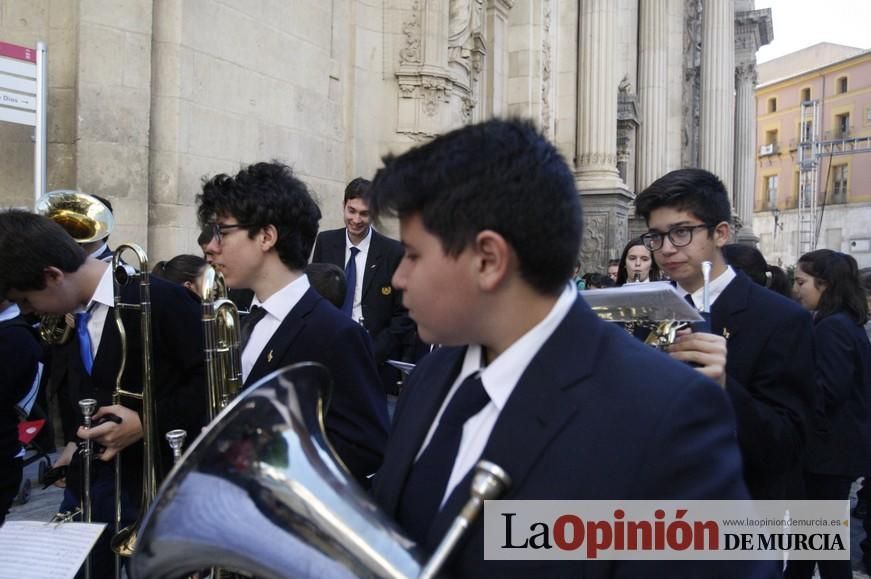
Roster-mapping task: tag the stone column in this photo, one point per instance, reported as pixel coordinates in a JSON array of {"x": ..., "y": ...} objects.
[
  {"x": 752, "y": 30},
  {"x": 745, "y": 150},
  {"x": 597, "y": 97},
  {"x": 652, "y": 91},
  {"x": 606, "y": 198},
  {"x": 716, "y": 125}
]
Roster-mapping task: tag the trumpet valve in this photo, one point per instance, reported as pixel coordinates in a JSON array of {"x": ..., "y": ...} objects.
[
  {"x": 87, "y": 406},
  {"x": 176, "y": 438}
]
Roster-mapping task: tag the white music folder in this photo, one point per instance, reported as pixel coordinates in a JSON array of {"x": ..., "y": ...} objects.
[{"x": 36, "y": 550}]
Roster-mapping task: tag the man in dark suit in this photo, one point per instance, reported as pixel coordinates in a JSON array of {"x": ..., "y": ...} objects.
[
  {"x": 264, "y": 224},
  {"x": 47, "y": 272},
  {"x": 372, "y": 300},
  {"x": 491, "y": 222},
  {"x": 768, "y": 372}
]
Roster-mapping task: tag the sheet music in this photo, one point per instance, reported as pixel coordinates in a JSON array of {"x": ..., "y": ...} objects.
[{"x": 36, "y": 550}]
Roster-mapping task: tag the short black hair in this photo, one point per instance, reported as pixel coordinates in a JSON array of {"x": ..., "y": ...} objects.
[
  {"x": 328, "y": 279},
  {"x": 623, "y": 273},
  {"x": 357, "y": 189},
  {"x": 843, "y": 290},
  {"x": 697, "y": 191},
  {"x": 29, "y": 243},
  {"x": 265, "y": 194},
  {"x": 499, "y": 175}
]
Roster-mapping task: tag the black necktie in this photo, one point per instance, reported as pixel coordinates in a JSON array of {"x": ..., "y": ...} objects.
[
  {"x": 689, "y": 299},
  {"x": 428, "y": 478},
  {"x": 351, "y": 281},
  {"x": 248, "y": 322}
]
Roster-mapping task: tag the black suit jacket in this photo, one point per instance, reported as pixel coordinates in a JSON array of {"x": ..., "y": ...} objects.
[
  {"x": 384, "y": 316},
  {"x": 840, "y": 441},
  {"x": 770, "y": 369},
  {"x": 20, "y": 355},
  {"x": 356, "y": 420},
  {"x": 596, "y": 415},
  {"x": 178, "y": 378}
]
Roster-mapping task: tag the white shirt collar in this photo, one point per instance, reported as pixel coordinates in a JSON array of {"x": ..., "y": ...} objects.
[
  {"x": 279, "y": 304},
  {"x": 363, "y": 246},
  {"x": 96, "y": 254},
  {"x": 105, "y": 292},
  {"x": 717, "y": 286},
  {"x": 503, "y": 373},
  {"x": 12, "y": 311}
]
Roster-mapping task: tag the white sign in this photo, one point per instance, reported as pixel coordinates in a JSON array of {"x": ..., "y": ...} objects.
[{"x": 23, "y": 99}]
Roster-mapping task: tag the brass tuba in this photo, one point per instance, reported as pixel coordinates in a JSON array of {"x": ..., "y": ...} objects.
[
  {"x": 260, "y": 493},
  {"x": 223, "y": 350},
  {"x": 86, "y": 219}
]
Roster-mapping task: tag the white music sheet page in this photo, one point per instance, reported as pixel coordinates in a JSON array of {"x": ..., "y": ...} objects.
[{"x": 35, "y": 550}]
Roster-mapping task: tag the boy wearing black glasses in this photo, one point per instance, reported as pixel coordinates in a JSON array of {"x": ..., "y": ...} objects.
[
  {"x": 762, "y": 338},
  {"x": 264, "y": 223}
]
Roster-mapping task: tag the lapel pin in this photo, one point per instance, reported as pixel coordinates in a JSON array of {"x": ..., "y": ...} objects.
[
  {"x": 726, "y": 333},
  {"x": 386, "y": 290},
  {"x": 269, "y": 357}
]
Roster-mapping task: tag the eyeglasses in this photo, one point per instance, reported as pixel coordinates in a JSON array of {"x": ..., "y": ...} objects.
[
  {"x": 679, "y": 236},
  {"x": 219, "y": 229}
]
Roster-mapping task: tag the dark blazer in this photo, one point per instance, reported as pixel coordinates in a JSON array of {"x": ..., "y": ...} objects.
[
  {"x": 178, "y": 378},
  {"x": 770, "y": 369},
  {"x": 840, "y": 441},
  {"x": 384, "y": 316},
  {"x": 596, "y": 415},
  {"x": 356, "y": 420},
  {"x": 20, "y": 354}
]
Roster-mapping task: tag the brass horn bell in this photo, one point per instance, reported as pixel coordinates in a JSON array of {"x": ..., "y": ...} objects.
[{"x": 83, "y": 216}]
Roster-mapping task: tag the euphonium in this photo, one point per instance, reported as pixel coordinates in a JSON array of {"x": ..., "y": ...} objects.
[
  {"x": 86, "y": 219},
  {"x": 223, "y": 351},
  {"x": 260, "y": 492},
  {"x": 124, "y": 540}
]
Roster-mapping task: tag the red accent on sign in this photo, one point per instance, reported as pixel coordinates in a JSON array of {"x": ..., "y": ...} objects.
[{"x": 17, "y": 52}]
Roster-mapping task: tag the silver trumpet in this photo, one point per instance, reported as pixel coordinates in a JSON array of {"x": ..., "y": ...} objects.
[
  {"x": 259, "y": 492},
  {"x": 87, "y": 407}
]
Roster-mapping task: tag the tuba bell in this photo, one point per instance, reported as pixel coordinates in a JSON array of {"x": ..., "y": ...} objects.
[
  {"x": 86, "y": 219},
  {"x": 260, "y": 493}
]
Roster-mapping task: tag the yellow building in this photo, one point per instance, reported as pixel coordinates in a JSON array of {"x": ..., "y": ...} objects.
[{"x": 813, "y": 170}]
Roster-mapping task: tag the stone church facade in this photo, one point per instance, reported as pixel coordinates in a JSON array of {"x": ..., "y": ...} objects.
[{"x": 147, "y": 97}]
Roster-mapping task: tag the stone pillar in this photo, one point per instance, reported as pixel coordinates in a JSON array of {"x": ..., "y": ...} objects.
[
  {"x": 745, "y": 151},
  {"x": 752, "y": 30},
  {"x": 652, "y": 92},
  {"x": 716, "y": 125},
  {"x": 606, "y": 198},
  {"x": 597, "y": 97},
  {"x": 496, "y": 70}
]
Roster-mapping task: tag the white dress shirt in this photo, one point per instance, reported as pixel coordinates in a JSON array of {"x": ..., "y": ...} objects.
[
  {"x": 277, "y": 307},
  {"x": 360, "y": 262},
  {"x": 717, "y": 286},
  {"x": 99, "y": 305},
  {"x": 499, "y": 379}
]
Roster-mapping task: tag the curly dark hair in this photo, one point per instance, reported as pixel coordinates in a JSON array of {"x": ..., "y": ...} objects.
[
  {"x": 265, "y": 194},
  {"x": 499, "y": 175}
]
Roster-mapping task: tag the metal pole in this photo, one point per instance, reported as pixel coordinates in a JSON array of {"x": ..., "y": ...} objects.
[{"x": 39, "y": 131}]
